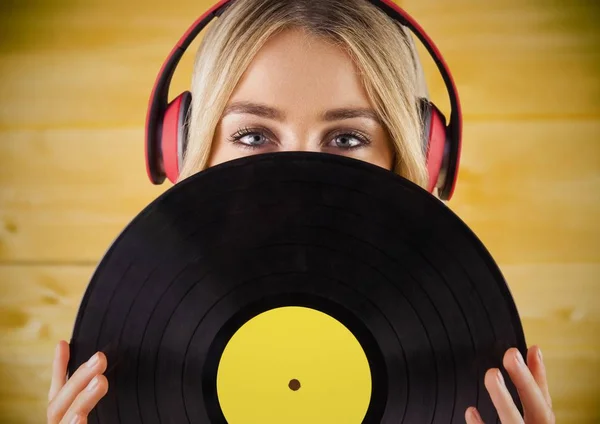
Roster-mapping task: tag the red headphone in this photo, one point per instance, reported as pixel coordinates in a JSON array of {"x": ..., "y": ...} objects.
[{"x": 166, "y": 135}]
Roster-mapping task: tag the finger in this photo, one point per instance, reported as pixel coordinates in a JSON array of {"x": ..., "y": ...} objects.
[
  {"x": 535, "y": 362},
  {"x": 506, "y": 408},
  {"x": 59, "y": 368},
  {"x": 86, "y": 401},
  {"x": 472, "y": 416},
  {"x": 534, "y": 403},
  {"x": 64, "y": 398}
]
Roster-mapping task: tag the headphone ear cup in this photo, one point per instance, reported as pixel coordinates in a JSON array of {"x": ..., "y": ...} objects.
[
  {"x": 174, "y": 135},
  {"x": 425, "y": 110},
  {"x": 434, "y": 141}
]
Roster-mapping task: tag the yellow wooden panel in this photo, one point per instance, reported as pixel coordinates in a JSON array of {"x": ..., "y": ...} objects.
[
  {"x": 515, "y": 59},
  {"x": 38, "y": 306},
  {"x": 66, "y": 194},
  {"x": 557, "y": 303},
  {"x": 529, "y": 190},
  {"x": 510, "y": 58}
]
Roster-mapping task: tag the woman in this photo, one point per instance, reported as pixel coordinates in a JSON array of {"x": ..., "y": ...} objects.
[{"x": 335, "y": 76}]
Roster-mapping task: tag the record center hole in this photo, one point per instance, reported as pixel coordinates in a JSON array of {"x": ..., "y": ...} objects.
[{"x": 294, "y": 384}]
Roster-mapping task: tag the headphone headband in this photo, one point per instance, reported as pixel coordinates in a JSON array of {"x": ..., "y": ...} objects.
[{"x": 159, "y": 97}]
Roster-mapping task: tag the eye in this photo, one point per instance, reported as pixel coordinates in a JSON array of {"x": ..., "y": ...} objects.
[
  {"x": 250, "y": 138},
  {"x": 349, "y": 140}
]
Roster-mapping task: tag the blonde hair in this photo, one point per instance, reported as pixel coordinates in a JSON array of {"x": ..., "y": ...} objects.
[{"x": 383, "y": 51}]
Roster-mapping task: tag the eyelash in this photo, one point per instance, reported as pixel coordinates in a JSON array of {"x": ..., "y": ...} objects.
[{"x": 243, "y": 132}]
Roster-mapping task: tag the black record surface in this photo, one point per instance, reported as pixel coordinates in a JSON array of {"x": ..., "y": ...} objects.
[{"x": 381, "y": 255}]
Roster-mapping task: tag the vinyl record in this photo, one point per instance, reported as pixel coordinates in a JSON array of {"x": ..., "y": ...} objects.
[{"x": 294, "y": 288}]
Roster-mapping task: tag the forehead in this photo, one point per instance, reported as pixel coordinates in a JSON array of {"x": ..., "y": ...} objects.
[{"x": 295, "y": 69}]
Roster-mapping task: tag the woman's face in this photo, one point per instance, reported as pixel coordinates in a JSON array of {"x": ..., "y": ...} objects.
[{"x": 301, "y": 94}]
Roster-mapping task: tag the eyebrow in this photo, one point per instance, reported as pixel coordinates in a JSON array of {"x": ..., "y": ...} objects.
[
  {"x": 349, "y": 113},
  {"x": 257, "y": 109},
  {"x": 268, "y": 112}
]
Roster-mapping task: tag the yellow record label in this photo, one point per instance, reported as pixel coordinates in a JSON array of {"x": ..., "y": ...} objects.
[{"x": 293, "y": 365}]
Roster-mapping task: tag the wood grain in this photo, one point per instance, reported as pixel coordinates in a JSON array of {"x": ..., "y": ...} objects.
[
  {"x": 75, "y": 79},
  {"x": 69, "y": 192},
  {"x": 32, "y": 319}
]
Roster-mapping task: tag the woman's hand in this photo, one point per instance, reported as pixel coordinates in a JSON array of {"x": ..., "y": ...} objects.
[
  {"x": 531, "y": 385},
  {"x": 70, "y": 402}
]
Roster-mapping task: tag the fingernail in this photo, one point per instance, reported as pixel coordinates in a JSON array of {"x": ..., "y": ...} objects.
[
  {"x": 519, "y": 359},
  {"x": 76, "y": 420},
  {"x": 93, "y": 361},
  {"x": 475, "y": 415},
  {"x": 500, "y": 378},
  {"x": 541, "y": 359},
  {"x": 93, "y": 384}
]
